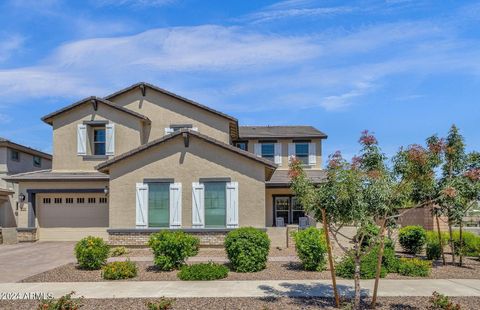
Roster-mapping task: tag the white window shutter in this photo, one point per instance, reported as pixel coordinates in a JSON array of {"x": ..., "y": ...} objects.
[
  {"x": 232, "y": 204},
  {"x": 257, "y": 149},
  {"x": 168, "y": 130},
  {"x": 82, "y": 139},
  {"x": 278, "y": 153},
  {"x": 142, "y": 205},
  {"x": 198, "y": 205},
  {"x": 312, "y": 154},
  {"x": 110, "y": 139},
  {"x": 175, "y": 205},
  {"x": 291, "y": 151}
]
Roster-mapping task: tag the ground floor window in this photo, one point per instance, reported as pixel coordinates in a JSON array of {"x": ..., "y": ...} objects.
[
  {"x": 215, "y": 204},
  {"x": 288, "y": 209},
  {"x": 158, "y": 204}
]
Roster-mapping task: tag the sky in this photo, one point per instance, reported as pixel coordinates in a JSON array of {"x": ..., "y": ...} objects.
[{"x": 402, "y": 69}]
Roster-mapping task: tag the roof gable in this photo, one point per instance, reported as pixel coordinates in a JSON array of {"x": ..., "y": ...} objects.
[{"x": 94, "y": 101}]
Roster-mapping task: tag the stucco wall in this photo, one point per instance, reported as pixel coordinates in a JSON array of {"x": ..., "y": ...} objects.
[
  {"x": 25, "y": 163},
  {"x": 129, "y": 134},
  {"x": 165, "y": 110},
  {"x": 186, "y": 165},
  {"x": 285, "y": 143}
]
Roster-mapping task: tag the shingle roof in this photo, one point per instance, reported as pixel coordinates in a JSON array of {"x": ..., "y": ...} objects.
[
  {"x": 280, "y": 132},
  {"x": 166, "y": 92},
  {"x": 280, "y": 178},
  {"x": 48, "y": 175},
  {"x": 268, "y": 163},
  {"x": 47, "y": 118},
  {"x": 23, "y": 148}
]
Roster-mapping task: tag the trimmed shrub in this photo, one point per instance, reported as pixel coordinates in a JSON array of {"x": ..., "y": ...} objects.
[
  {"x": 172, "y": 248},
  {"x": 470, "y": 241},
  {"x": 65, "y": 302},
  {"x": 91, "y": 252},
  {"x": 412, "y": 239},
  {"x": 414, "y": 267},
  {"x": 247, "y": 249},
  {"x": 203, "y": 272},
  {"x": 311, "y": 248},
  {"x": 119, "y": 270},
  {"x": 368, "y": 264},
  {"x": 118, "y": 251},
  {"x": 162, "y": 304}
]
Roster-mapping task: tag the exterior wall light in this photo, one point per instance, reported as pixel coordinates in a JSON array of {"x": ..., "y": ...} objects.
[
  {"x": 106, "y": 190},
  {"x": 21, "y": 197}
]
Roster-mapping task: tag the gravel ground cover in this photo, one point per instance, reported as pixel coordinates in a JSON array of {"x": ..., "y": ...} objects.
[
  {"x": 391, "y": 303},
  {"x": 147, "y": 272},
  {"x": 274, "y": 271},
  {"x": 210, "y": 252}
]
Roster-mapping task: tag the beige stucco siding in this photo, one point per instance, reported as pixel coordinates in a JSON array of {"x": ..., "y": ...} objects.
[
  {"x": 186, "y": 165},
  {"x": 128, "y": 135},
  {"x": 25, "y": 163},
  {"x": 164, "y": 110},
  {"x": 285, "y": 143}
]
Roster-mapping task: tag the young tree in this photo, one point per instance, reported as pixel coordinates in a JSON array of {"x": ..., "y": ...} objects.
[{"x": 353, "y": 194}]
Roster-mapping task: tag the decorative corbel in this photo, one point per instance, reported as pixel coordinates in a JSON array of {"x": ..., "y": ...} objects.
[
  {"x": 186, "y": 139},
  {"x": 143, "y": 89},
  {"x": 95, "y": 104}
]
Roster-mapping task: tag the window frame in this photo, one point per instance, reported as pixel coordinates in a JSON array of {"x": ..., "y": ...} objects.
[
  {"x": 304, "y": 156},
  {"x": 205, "y": 188},
  {"x": 14, "y": 152},
  {"x": 167, "y": 185},
  {"x": 95, "y": 142},
  {"x": 269, "y": 157}
]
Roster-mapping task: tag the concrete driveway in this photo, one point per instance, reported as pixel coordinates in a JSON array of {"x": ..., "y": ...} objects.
[{"x": 22, "y": 260}]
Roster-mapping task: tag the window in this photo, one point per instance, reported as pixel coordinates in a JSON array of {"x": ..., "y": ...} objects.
[
  {"x": 243, "y": 145},
  {"x": 215, "y": 204},
  {"x": 47, "y": 200},
  {"x": 99, "y": 139},
  {"x": 80, "y": 200},
  {"x": 57, "y": 200},
  {"x": 297, "y": 211},
  {"x": 288, "y": 208},
  {"x": 102, "y": 200},
  {"x": 92, "y": 200},
  {"x": 37, "y": 161},
  {"x": 268, "y": 151},
  {"x": 301, "y": 152},
  {"x": 15, "y": 155},
  {"x": 69, "y": 200},
  {"x": 158, "y": 204}
]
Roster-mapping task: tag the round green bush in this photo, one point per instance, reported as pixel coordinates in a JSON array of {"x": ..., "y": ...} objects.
[
  {"x": 470, "y": 241},
  {"x": 91, "y": 252},
  {"x": 247, "y": 249},
  {"x": 203, "y": 272},
  {"x": 119, "y": 270},
  {"x": 311, "y": 248},
  {"x": 433, "y": 247},
  {"x": 412, "y": 239},
  {"x": 368, "y": 264},
  {"x": 172, "y": 248},
  {"x": 414, "y": 267}
]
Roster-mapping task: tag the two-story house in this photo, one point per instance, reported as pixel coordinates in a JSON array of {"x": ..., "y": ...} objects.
[
  {"x": 16, "y": 158},
  {"x": 144, "y": 159}
]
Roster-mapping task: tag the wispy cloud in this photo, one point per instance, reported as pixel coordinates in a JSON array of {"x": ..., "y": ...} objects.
[
  {"x": 137, "y": 3},
  {"x": 9, "y": 45}
]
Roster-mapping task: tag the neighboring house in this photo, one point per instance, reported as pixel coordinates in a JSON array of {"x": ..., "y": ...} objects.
[
  {"x": 144, "y": 159},
  {"x": 14, "y": 159}
]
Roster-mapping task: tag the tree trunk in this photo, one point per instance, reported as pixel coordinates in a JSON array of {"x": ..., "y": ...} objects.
[
  {"x": 330, "y": 258},
  {"x": 356, "y": 278},
  {"x": 379, "y": 263},
  {"x": 452, "y": 246},
  {"x": 440, "y": 240},
  {"x": 460, "y": 250}
]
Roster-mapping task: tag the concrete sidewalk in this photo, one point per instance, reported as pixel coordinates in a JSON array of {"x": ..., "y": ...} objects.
[
  {"x": 196, "y": 259},
  {"x": 287, "y": 288}
]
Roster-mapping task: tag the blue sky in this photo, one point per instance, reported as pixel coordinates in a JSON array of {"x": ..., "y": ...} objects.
[{"x": 402, "y": 69}]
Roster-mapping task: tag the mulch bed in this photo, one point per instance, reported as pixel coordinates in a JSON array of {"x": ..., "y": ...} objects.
[
  {"x": 391, "y": 303},
  {"x": 147, "y": 272}
]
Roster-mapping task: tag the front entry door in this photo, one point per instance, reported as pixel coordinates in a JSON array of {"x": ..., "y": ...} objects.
[{"x": 287, "y": 208}]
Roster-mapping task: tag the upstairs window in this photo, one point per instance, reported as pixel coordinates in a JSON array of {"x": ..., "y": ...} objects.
[
  {"x": 99, "y": 141},
  {"x": 37, "y": 161},
  {"x": 243, "y": 145},
  {"x": 301, "y": 152},
  {"x": 268, "y": 151},
  {"x": 15, "y": 155}
]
